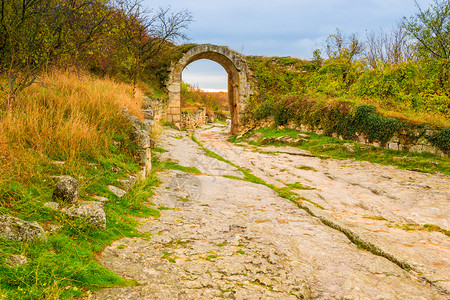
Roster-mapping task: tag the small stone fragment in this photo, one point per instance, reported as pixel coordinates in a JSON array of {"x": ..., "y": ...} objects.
[
  {"x": 152, "y": 144},
  {"x": 126, "y": 183},
  {"x": 349, "y": 147},
  {"x": 66, "y": 190},
  {"x": 148, "y": 113},
  {"x": 54, "y": 228},
  {"x": 91, "y": 211},
  {"x": 115, "y": 169},
  {"x": 15, "y": 229},
  {"x": 255, "y": 137},
  {"x": 303, "y": 136},
  {"x": 100, "y": 198},
  {"x": 16, "y": 260},
  {"x": 116, "y": 191},
  {"x": 147, "y": 125},
  {"x": 266, "y": 140},
  {"x": 52, "y": 205}
]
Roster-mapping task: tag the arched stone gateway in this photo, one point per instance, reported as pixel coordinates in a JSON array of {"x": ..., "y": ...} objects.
[{"x": 238, "y": 85}]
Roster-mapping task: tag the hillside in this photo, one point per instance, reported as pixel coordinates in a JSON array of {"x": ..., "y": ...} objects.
[
  {"x": 70, "y": 123},
  {"x": 193, "y": 98}
]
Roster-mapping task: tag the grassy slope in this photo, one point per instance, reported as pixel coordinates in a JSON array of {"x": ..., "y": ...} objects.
[
  {"x": 325, "y": 146},
  {"x": 68, "y": 124},
  {"x": 396, "y": 91}
]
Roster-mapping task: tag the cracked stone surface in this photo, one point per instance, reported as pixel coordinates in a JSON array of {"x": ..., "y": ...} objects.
[{"x": 232, "y": 239}]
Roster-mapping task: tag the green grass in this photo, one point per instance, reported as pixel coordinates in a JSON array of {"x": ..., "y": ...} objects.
[
  {"x": 175, "y": 166},
  {"x": 65, "y": 266},
  {"x": 324, "y": 146}
]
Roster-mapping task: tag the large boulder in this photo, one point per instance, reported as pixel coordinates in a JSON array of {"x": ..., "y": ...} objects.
[
  {"x": 16, "y": 229},
  {"x": 91, "y": 211},
  {"x": 66, "y": 190}
]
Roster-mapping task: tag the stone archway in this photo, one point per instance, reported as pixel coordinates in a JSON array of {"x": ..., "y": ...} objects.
[{"x": 238, "y": 85}]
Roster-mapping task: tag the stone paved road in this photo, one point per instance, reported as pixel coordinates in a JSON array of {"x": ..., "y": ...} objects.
[{"x": 228, "y": 238}]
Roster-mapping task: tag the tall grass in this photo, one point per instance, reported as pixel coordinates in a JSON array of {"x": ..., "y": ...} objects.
[
  {"x": 74, "y": 117},
  {"x": 63, "y": 116}
]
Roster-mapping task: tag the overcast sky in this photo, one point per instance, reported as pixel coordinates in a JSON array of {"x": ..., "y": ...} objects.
[{"x": 278, "y": 28}]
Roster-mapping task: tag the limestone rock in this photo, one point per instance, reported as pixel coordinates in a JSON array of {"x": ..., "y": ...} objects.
[
  {"x": 15, "y": 229},
  {"x": 349, "y": 147},
  {"x": 100, "y": 198},
  {"x": 91, "y": 211},
  {"x": 152, "y": 144},
  {"x": 134, "y": 122},
  {"x": 298, "y": 141},
  {"x": 148, "y": 113},
  {"x": 303, "y": 136},
  {"x": 66, "y": 190},
  {"x": 127, "y": 183},
  {"x": 147, "y": 125},
  {"x": 255, "y": 137},
  {"x": 266, "y": 140},
  {"x": 116, "y": 191},
  {"x": 286, "y": 139},
  {"x": 16, "y": 260},
  {"x": 52, "y": 205},
  {"x": 143, "y": 139},
  {"x": 54, "y": 228}
]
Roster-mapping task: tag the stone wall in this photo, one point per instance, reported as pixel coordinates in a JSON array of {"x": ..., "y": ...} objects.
[
  {"x": 192, "y": 120},
  {"x": 159, "y": 106},
  {"x": 141, "y": 134},
  {"x": 417, "y": 141}
]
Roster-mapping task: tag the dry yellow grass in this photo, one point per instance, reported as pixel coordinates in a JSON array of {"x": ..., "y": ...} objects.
[{"x": 63, "y": 115}]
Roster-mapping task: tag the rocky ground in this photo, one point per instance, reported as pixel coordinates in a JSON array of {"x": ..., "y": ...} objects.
[{"x": 219, "y": 237}]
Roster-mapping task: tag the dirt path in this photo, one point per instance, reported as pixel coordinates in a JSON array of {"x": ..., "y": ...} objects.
[{"x": 229, "y": 238}]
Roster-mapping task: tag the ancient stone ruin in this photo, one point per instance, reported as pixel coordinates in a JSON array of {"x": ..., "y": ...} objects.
[{"x": 238, "y": 84}]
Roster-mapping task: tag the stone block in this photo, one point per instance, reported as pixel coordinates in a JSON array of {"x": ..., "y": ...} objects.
[
  {"x": 66, "y": 190},
  {"x": 361, "y": 138},
  {"x": 52, "y": 205},
  {"x": 394, "y": 139},
  {"x": 116, "y": 191},
  {"x": 416, "y": 148},
  {"x": 15, "y": 260},
  {"x": 175, "y": 110},
  {"x": 176, "y": 118},
  {"x": 174, "y": 87},
  {"x": 15, "y": 229},
  {"x": 147, "y": 125},
  {"x": 91, "y": 211},
  {"x": 393, "y": 146},
  {"x": 148, "y": 113},
  {"x": 430, "y": 149}
]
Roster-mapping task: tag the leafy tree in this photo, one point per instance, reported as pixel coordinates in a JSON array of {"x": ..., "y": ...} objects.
[
  {"x": 431, "y": 29},
  {"x": 342, "y": 46},
  {"x": 144, "y": 34},
  {"x": 34, "y": 33}
]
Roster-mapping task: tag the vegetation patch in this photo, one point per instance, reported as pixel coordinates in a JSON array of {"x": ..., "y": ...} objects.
[
  {"x": 325, "y": 146},
  {"x": 175, "y": 166},
  {"x": 69, "y": 124}
]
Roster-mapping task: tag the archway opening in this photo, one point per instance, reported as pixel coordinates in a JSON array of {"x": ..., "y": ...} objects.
[
  {"x": 205, "y": 85},
  {"x": 238, "y": 85}
]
